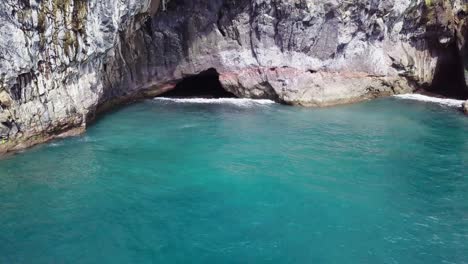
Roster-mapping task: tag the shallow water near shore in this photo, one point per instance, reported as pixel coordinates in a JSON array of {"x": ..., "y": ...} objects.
[{"x": 167, "y": 181}]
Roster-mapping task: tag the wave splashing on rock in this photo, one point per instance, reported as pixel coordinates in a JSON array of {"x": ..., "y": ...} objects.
[
  {"x": 424, "y": 98},
  {"x": 234, "y": 101}
]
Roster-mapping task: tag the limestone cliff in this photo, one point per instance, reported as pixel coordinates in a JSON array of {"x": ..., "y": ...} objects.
[
  {"x": 61, "y": 61},
  {"x": 52, "y": 54}
]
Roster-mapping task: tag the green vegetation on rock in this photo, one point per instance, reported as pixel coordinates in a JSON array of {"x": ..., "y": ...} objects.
[{"x": 70, "y": 15}]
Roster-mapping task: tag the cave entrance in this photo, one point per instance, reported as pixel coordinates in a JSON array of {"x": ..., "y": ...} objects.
[
  {"x": 449, "y": 76},
  {"x": 206, "y": 84}
]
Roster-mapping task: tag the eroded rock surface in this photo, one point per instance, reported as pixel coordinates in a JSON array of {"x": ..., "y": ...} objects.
[
  {"x": 52, "y": 54},
  {"x": 313, "y": 53},
  {"x": 63, "y": 60}
]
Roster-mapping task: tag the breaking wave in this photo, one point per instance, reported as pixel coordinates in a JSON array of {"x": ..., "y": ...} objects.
[
  {"x": 424, "y": 98},
  {"x": 234, "y": 101}
]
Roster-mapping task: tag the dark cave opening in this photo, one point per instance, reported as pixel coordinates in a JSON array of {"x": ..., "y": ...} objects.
[
  {"x": 206, "y": 84},
  {"x": 449, "y": 76}
]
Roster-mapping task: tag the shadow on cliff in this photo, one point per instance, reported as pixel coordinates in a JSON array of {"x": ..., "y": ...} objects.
[
  {"x": 449, "y": 75},
  {"x": 206, "y": 84}
]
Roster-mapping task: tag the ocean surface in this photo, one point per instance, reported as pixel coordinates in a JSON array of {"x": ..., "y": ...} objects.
[{"x": 242, "y": 181}]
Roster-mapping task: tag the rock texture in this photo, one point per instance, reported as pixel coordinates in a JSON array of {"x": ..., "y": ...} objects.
[
  {"x": 61, "y": 61},
  {"x": 299, "y": 52},
  {"x": 52, "y": 54}
]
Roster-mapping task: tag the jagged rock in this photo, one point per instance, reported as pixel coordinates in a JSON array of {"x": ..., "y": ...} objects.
[
  {"x": 5, "y": 99},
  {"x": 5, "y": 120},
  {"x": 52, "y": 55},
  {"x": 4, "y": 130},
  {"x": 465, "y": 107},
  {"x": 387, "y": 45},
  {"x": 5, "y": 116},
  {"x": 62, "y": 61}
]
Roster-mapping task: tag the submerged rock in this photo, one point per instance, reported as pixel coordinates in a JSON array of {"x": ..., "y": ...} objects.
[{"x": 63, "y": 61}]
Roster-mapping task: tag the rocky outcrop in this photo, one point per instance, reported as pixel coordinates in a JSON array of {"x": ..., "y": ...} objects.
[
  {"x": 313, "y": 53},
  {"x": 465, "y": 107},
  {"x": 61, "y": 61},
  {"x": 52, "y": 54}
]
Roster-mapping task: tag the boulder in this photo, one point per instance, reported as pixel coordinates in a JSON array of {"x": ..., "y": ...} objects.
[{"x": 5, "y": 99}]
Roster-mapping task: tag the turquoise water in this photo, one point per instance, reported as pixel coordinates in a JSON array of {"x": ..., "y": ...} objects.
[{"x": 163, "y": 182}]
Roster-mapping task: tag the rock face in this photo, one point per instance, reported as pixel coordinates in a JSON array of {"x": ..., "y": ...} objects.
[
  {"x": 61, "y": 61},
  {"x": 52, "y": 54},
  {"x": 465, "y": 107}
]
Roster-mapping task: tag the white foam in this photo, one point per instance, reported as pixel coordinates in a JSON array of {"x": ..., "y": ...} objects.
[
  {"x": 56, "y": 144},
  {"x": 425, "y": 98},
  {"x": 234, "y": 101}
]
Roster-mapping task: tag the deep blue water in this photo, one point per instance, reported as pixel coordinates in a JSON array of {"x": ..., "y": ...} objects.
[{"x": 159, "y": 182}]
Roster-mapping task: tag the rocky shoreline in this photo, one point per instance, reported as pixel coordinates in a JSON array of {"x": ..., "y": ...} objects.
[
  {"x": 79, "y": 58},
  {"x": 306, "y": 88}
]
